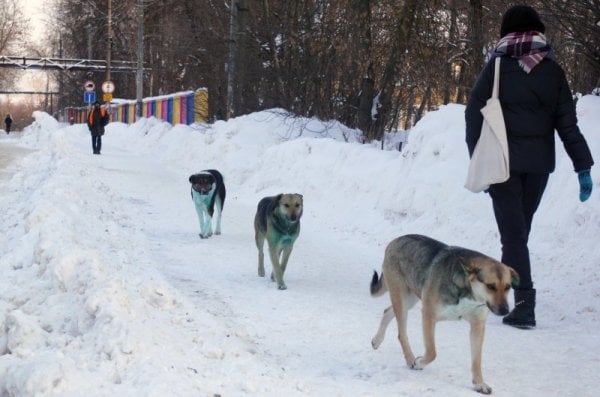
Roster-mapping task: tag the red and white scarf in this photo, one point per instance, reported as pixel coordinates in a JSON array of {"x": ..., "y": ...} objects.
[{"x": 530, "y": 48}]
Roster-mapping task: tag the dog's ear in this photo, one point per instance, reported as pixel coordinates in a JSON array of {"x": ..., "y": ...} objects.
[
  {"x": 195, "y": 178},
  {"x": 460, "y": 271},
  {"x": 472, "y": 269},
  {"x": 459, "y": 278},
  {"x": 514, "y": 276},
  {"x": 469, "y": 265},
  {"x": 274, "y": 205}
]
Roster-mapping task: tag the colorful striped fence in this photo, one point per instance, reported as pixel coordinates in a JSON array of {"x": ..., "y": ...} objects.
[{"x": 186, "y": 107}]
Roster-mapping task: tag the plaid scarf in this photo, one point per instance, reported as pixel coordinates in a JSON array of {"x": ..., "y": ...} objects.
[{"x": 530, "y": 48}]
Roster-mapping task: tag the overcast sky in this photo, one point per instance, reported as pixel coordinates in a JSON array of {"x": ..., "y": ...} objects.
[{"x": 34, "y": 10}]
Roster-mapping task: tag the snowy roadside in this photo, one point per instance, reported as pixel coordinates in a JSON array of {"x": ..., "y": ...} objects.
[{"x": 107, "y": 289}]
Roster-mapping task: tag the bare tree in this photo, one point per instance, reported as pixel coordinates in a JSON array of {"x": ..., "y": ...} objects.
[
  {"x": 399, "y": 45},
  {"x": 12, "y": 25},
  {"x": 12, "y": 31},
  {"x": 321, "y": 58},
  {"x": 575, "y": 28}
]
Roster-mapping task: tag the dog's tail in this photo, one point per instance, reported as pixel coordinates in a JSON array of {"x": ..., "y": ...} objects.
[{"x": 378, "y": 286}]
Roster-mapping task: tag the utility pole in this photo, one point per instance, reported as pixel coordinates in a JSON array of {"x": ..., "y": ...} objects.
[
  {"x": 139, "y": 76},
  {"x": 61, "y": 82},
  {"x": 108, "y": 54},
  {"x": 231, "y": 58},
  {"x": 88, "y": 29}
]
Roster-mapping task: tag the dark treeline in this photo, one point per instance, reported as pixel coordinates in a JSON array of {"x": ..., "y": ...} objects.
[{"x": 327, "y": 59}]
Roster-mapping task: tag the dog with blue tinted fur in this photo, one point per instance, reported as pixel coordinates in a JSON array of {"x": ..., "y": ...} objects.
[
  {"x": 452, "y": 283},
  {"x": 277, "y": 220},
  {"x": 208, "y": 194}
]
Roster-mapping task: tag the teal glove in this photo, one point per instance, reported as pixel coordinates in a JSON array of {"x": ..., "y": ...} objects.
[{"x": 585, "y": 185}]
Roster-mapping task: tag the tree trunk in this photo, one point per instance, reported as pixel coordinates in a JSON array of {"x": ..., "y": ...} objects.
[
  {"x": 244, "y": 94},
  {"x": 410, "y": 108},
  {"x": 450, "y": 49},
  {"x": 475, "y": 59},
  {"x": 362, "y": 62},
  {"x": 365, "y": 105},
  {"x": 400, "y": 43},
  {"x": 424, "y": 104},
  {"x": 280, "y": 87}
]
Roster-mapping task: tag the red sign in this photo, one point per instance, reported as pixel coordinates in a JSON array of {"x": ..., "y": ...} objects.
[
  {"x": 89, "y": 86},
  {"x": 108, "y": 87}
]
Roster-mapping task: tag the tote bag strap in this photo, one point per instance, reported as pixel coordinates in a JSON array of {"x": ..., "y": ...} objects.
[{"x": 496, "y": 79}]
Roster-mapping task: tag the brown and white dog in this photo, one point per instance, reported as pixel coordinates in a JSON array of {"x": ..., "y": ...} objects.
[
  {"x": 452, "y": 282},
  {"x": 277, "y": 220}
]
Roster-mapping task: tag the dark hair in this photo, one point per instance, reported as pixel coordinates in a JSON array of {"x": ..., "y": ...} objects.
[{"x": 521, "y": 18}]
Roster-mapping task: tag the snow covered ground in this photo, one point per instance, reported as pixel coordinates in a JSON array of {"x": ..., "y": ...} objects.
[{"x": 106, "y": 289}]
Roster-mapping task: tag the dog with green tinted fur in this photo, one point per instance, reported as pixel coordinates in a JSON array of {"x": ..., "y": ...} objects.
[{"x": 278, "y": 221}]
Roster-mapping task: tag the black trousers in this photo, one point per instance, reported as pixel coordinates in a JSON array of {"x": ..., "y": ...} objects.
[
  {"x": 96, "y": 143},
  {"x": 515, "y": 201}
]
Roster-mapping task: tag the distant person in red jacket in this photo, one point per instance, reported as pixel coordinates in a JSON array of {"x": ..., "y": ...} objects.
[
  {"x": 8, "y": 122},
  {"x": 96, "y": 120}
]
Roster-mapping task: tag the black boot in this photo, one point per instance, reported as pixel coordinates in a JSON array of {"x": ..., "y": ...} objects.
[{"x": 523, "y": 315}]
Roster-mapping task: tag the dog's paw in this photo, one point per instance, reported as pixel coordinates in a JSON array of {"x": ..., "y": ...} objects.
[
  {"x": 281, "y": 286},
  {"x": 376, "y": 342},
  {"x": 218, "y": 233},
  {"x": 417, "y": 364},
  {"x": 261, "y": 272},
  {"x": 482, "y": 388}
]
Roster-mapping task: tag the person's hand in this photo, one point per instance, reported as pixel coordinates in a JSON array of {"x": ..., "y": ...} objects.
[{"x": 585, "y": 185}]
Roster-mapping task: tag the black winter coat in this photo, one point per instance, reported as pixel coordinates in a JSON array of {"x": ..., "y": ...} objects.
[
  {"x": 97, "y": 119},
  {"x": 534, "y": 106}
]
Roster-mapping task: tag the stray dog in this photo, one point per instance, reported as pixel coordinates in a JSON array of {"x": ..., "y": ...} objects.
[
  {"x": 208, "y": 193},
  {"x": 452, "y": 283},
  {"x": 277, "y": 220}
]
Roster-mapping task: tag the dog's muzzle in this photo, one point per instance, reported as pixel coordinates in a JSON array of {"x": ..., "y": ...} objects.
[
  {"x": 201, "y": 189},
  {"x": 499, "y": 311}
]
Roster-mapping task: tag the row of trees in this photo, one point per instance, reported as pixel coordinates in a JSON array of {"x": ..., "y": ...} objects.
[
  {"x": 13, "y": 29},
  {"x": 322, "y": 58}
]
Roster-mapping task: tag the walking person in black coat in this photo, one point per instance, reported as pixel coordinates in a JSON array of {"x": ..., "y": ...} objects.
[
  {"x": 536, "y": 101},
  {"x": 8, "y": 122},
  {"x": 96, "y": 121}
]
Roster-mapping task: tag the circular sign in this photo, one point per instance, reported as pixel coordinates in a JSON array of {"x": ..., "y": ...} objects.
[
  {"x": 89, "y": 86},
  {"x": 108, "y": 87}
]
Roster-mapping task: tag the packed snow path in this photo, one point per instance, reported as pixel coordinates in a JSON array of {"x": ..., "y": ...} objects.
[{"x": 108, "y": 289}]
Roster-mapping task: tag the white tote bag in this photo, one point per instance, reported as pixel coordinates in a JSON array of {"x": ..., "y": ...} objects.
[{"x": 489, "y": 163}]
